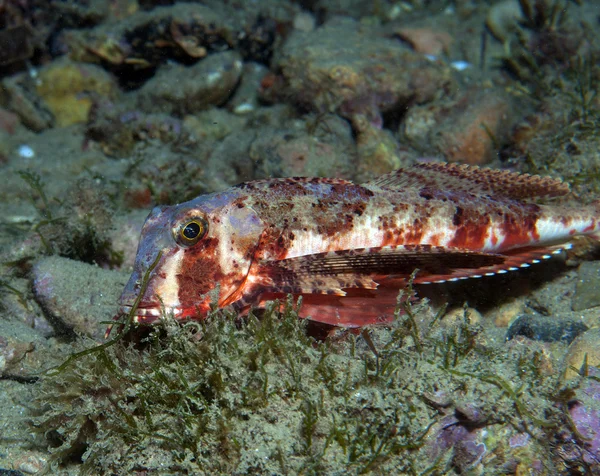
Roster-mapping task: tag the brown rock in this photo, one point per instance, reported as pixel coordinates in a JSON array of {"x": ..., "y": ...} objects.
[
  {"x": 181, "y": 90},
  {"x": 364, "y": 74},
  {"x": 426, "y": 41},
  {"x": 469, "y": 129},
  {"x": 77, "y": 296}
]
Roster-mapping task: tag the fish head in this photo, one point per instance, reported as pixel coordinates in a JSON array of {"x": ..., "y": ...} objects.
[{"x": 192, "y": 255}]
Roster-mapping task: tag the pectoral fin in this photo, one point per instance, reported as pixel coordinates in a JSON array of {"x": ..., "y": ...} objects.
[{"x": 334, "y": 271}]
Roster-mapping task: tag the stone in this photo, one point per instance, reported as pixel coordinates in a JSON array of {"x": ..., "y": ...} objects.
[
  {"x": 69, "y": 89},
  {"x": 366, "y": 74},
  {"x": 586, "y": 290},
  {"x": 75, "y": 296},
  {"x": 545, "y": 328},
  {"x": 180, "y": 90}
]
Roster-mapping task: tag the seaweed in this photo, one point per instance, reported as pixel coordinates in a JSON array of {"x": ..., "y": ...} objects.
[
  {"x": 260, "y": 395},
  {"x": 5, "y": 287},
  {"x": 34, "y": 181},
  {"x": 75, "y": 227}
]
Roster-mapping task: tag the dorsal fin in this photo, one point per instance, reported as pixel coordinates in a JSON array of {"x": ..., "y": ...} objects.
[{"x": 472, "y": 179}]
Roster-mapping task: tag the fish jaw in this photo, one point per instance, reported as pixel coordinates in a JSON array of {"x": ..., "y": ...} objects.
[{"x": 161, "y": 290}]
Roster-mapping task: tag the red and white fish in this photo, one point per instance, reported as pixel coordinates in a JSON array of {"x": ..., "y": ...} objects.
[{"x": 346, "y": 248}]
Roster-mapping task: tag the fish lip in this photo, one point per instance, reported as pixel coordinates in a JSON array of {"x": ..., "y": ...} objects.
[{"x": 148, "y": 312}]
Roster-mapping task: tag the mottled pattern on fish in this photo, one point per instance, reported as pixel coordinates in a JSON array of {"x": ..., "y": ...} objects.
[{"x": 349, "y": 248}]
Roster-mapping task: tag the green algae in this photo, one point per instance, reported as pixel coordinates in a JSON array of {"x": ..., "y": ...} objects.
[
  {"x": 260, "y": 395},
  {"x": 77, "y": 227}
]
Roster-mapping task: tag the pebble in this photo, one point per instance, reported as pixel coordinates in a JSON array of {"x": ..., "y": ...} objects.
[
  {"x": 365, "y": 74},
  {"x": 468, "y": 129},
  {"x": 456, "y": 316},
  {"x": 70, "y": 89},
  {"x": 77, "y": 296},
  {"x": 545, "y": 328},
  {"x": 245, "y": 98},
  {"x": 507, "y": 312},
  {"x": 180, "y": 90},
  {"x": 586, "y": 290},
  {"x": 426, "y": 41}
]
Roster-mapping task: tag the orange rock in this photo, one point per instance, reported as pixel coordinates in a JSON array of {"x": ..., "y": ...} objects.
[
  {"x": 8, "y": 120},
  {"x": 469, "y": 129},
  {"x": 473, "y": 131},
  {"x": 426, "y": 41}
]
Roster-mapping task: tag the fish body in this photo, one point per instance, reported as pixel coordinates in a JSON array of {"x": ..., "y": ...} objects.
[{"x": 348, "y": 248}]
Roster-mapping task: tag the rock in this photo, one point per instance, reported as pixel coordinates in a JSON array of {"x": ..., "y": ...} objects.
[
  {"x": 378, "y": 150},
  {"x": 469, "y": 129},
  {"x": 8, "y": 122},
  {"x": 213, "y": 124},
  {"x": 584, "y": 412},
  {"x": 149, "y": 38},
  {"x": 584, "y": 348},
  {"x": 506, "y": 312},
  {"x": 319, "y": 146},
  {"x": 77, "y": 296},
  {"x": 181, "y": 90},
  {"x": 586, "y": 290},
  {"x": 245, "y": 99},
  {"x": 70, "y": 89},
  {"x": 19, "y": 343},
  {"x": 17, "y": 93},
  {"x": 426, "y": 41},
  {"x": 545, "y": 328},
  {"x": 120, "y": 128},
  {"x": 456, "y": 317},
  {"x": 125, "y": 235},
  {"x": 503, "y": 19},
  {"x": 365, "y": 73}
]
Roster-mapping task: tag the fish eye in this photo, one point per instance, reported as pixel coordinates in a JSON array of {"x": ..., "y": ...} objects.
[{"x": 191, "y": 231}]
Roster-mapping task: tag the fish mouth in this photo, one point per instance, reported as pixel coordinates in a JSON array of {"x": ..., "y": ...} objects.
[{"x": 149, "y": 314}]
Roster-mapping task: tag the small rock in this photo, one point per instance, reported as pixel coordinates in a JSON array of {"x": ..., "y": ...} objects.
[
  {"x": 456, "y": 316},
  {"x": 507, "y": 312},
  {"x": 245, "y": 99},
  {"x": 213, "y": 124},
  {"x": 545, "y": 329},
  {"x": 149, "y": 38},
  {"x": 503, "y": 19},
  {"x": 181, "y": 90},
  {"x": 586, "y": 291},
  {"x": 70, "y": 89},
  {"x": 21, "y": 346},
  {"x": 321, "y": 145},
  {"x": 585, "y": 418},
  {"x": 31, "y": 462},
  {"x": 469, "y": 129},
  {"x": 8, "y": 121},
  {"x": 77, "y": 296},
  {"x": 378, "y": 150},
  {"x": 18, "y": 94},
  {"x": 125, "y": 235},
  {"x": 426, "y": 41},
  {"x": 365, "y": 74}
]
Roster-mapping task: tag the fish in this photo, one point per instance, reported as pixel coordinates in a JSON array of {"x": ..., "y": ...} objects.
[{"x": 347, "y": 249}]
